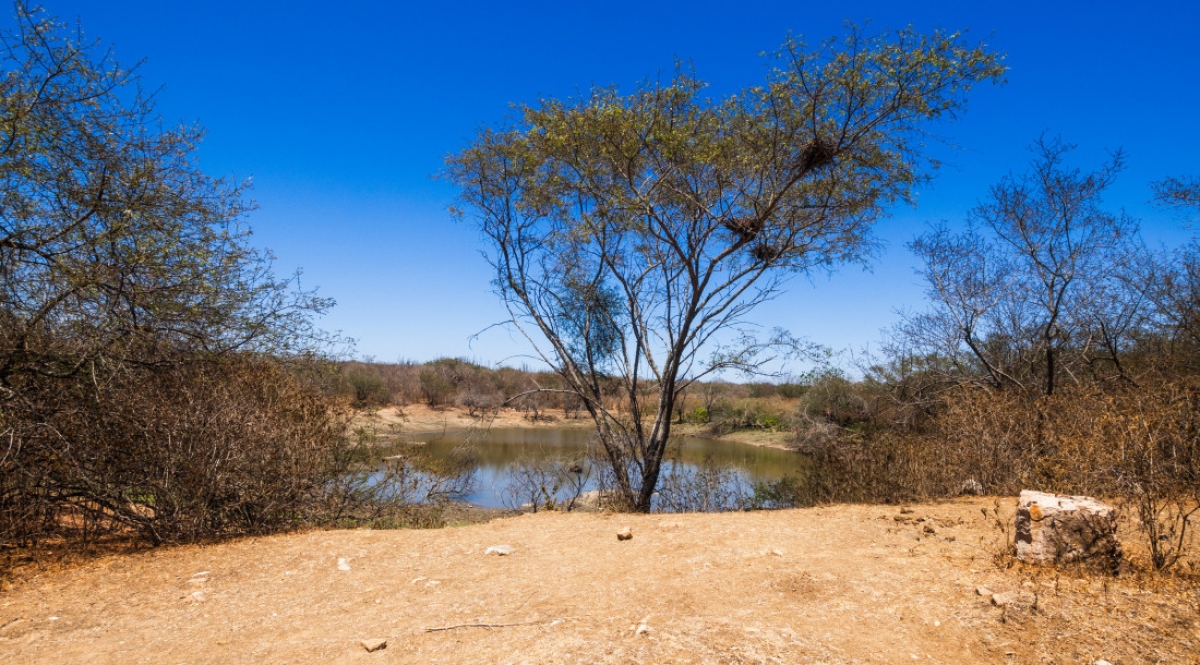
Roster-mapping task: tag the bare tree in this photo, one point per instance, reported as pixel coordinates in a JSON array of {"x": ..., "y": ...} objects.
[
  {"x": 1035, "y": 289},
  {"x": 1178, "y": 192},
  {"x": 631, "y": 235}
]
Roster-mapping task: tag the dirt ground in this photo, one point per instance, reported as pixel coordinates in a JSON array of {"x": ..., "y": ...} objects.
[
  {"x": 415, "y": 420},
  {"x": 839, "y": 584}
]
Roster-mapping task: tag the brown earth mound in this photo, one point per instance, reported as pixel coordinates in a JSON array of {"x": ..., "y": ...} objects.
[{"x": 840, "y": 584}]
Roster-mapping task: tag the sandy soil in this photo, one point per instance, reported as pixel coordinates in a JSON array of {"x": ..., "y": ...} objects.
[
  {"x": 418, "y": 419},
  {"x": 840, "y": 584}
]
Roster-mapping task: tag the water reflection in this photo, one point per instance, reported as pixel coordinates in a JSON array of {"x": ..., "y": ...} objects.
[{"x": 498, "y": 449}]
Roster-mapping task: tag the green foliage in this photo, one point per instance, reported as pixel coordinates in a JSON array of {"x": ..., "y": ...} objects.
[
  {"x": 760, "y": 390},
  {"x": 113, "y": 243},
  {"x": 748, "y": 414},
  {"x": 370, "y": 390},
  {"x": 833, "y": 398},
  {"x": 791, "y": 390},
  {"x": 436, "y": 388},
  {"x": 666, "y": 215}
]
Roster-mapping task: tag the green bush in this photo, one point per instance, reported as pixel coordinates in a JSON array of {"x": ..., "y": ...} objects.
[
  {"x": 369, "y": 389},
  {"x": 791, "y": 390}
]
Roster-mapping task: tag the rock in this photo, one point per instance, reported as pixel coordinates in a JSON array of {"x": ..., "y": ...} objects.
[
  {"x": 906, "y": 511},
  {"x": 343, "y": 564},
  {"x": 642, "y": 629},
  {"x": 198, "y": 597},
  {"x": 1102, "y": 662},
  {"x": 972, "y": 487},
  {"x": 929, "y": 529},
  {"x": 373, "y": 645},
  {"x": 625, "y": 534},
  {"x": 500, "y": 550},
  {"x": 983, "y": 591},
  {"x": 1002, "y": 599},
  {"x": 1053, "y": 528}
]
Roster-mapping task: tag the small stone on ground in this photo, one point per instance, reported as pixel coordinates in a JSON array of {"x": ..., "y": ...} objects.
[{"x": 373, "y": 645}]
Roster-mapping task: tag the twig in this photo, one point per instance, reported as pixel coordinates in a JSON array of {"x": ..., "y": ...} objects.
[
  {"x": 489, "y": 626},
  {"x": 525, "y": 602}
]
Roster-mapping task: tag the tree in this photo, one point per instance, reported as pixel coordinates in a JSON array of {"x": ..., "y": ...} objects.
[
  {"x": 141, "y": 336},
  {"x": 632, "y": 234},
  {"x": 1171, "y": 283},
  {"x": 1178, "y": 192},
  {"x": 114, "y": 245},
  {"x": 1035, "y": 287}
]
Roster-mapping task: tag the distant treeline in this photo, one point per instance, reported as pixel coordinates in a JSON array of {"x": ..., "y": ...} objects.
[{"x": 727, "y": 406}]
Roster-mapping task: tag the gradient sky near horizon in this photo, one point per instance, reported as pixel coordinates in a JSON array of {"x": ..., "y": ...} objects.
[{"x": 341, "y": 113}]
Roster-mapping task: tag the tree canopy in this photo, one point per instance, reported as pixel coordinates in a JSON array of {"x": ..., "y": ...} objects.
[
  {"x": 142, "y": 338},
  {"x": 113, "y": 243},
  {"x": 632, "y": 234},
  {"x": 1034, "y": 290}
]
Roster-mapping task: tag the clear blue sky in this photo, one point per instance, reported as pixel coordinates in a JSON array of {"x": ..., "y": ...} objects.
[{"x": 342, "y": 112}]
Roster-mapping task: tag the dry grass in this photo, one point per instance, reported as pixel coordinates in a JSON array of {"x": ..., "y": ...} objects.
[{"x": 836, "y": 584}]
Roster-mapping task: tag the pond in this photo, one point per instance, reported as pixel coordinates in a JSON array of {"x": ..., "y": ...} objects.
[{"x": 497, "y": 451}]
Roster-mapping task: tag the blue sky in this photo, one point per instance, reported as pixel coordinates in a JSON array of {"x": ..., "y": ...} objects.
[{"x": 342, "y": 112}]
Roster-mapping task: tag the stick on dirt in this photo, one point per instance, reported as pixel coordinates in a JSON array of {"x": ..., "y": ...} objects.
[{"x": 489, "y": 626}]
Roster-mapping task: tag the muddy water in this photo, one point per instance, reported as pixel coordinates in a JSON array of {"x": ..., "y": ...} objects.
[{"x": 497, "y": 450}]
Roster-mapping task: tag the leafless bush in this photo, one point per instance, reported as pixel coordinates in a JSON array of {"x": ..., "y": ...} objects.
[
  {"x": 1136, "y": 446},
  {"x": 478, "y": 403},
  {"x": 1164, "y": 519},
  {"x": 546, "y": 484},
  {"x": 169, "y": 454},
  {"x": 705, "y": 488},
  {"x": 410, "y": 487}
]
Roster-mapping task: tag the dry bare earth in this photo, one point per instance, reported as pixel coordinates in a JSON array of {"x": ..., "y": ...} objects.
[
  {"x": 837, "y": 584},
  {"x": 416, "y": 420}
]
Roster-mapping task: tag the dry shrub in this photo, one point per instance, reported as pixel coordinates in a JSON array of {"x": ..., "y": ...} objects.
[
  {"x": 408, "y": 487},
  {"x": 886, "y": 468},
  {"x": 168, "y": 454},
  {"x": 546, "y": 484},
  {"x": 1134, "y": 445},
  {"x": 708, "y": 487}
]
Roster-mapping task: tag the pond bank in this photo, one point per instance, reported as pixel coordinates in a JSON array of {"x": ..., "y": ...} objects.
[{"x": 415, "y": 420}]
